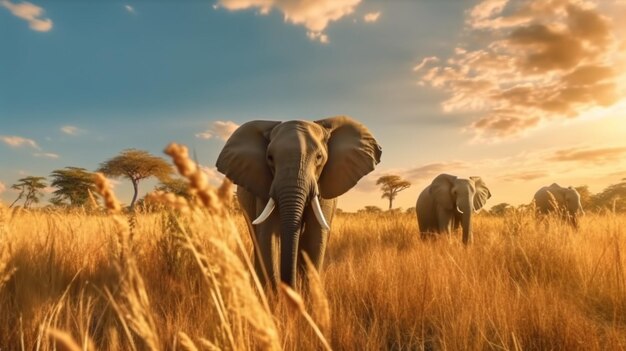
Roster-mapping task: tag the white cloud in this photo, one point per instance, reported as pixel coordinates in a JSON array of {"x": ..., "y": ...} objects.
[
  {"x": 215, "y": 178},
  {"x": 219, "y": 129},
  {"x": 71, "y": 130},
  {"x": 313, "y": 15},
  {"x": 129, "y": 8},
  {"x": 371, "y": 17},
  {"x": 31, "y": 13},
  {"x": 46, "y": 155},
  {"x": 17, "y": 141},
  {"x": 2, "y": 187}
]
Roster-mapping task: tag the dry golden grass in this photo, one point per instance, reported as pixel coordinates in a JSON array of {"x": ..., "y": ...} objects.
[{"x": 181, "y": 279}]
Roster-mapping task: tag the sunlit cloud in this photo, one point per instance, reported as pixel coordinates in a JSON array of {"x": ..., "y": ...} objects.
[
  {"x": 371, "y": 17},
  {"x": 3, "y": 187},
  {"x": 29, "y": 12},
  {"x": 71, "y": 130},
  {"x": 15, "y": 141},
  {"x": 219, "y": 129},
  {"x": 538, "y": 61},
  {"x": 46, "y": 155},
  {"x": 601, "y": 155},
  {"x": 313, "y": 15},
  {"x": 129, "y": 8}
]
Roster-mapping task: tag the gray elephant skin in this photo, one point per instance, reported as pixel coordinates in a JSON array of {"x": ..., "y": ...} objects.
[
  {"x": 288, "y": 176},
  {"x": 448, "y": 202},
  {"x": 561, "y": 201}
]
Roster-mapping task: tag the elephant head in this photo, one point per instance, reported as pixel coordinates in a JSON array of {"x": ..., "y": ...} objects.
[
  {"x": 461, "y": 196},
  {"x": 291, "y": 164}
]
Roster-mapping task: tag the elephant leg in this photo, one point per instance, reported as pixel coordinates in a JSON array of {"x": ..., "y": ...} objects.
[
  {"x": 314, "y": 239},
  {"x": 444, "y": 219}
]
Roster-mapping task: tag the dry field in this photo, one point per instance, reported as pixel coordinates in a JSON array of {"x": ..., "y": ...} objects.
[{"x": 172, "y": 280}]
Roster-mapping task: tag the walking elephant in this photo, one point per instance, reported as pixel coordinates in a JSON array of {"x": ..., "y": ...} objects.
[
  {"x": 288, "y": 176},
  {"x": 448, "y": 202},
  {"x": 564, "y": 202}
]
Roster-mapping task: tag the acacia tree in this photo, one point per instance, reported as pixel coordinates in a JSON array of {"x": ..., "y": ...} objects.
[
  {"x": 177, "y": 186},
  {"x": 391, "y": 185},
  {"x": 73, "y": 185},
  {"x": 136, "y": 165},
  {"x": 612, "y": 197},
  {"x": 30, "y": 189}
]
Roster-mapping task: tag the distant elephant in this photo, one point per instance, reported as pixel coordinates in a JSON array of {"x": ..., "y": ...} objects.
[
  {"x": 299, "y": 168},
  {"x": 448, "y": 202},
  {"x": 565, "y": 202}
]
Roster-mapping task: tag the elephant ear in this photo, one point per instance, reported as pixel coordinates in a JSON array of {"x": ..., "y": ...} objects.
[
  {"x": 352, "y": 153},
  {"x": 441, "y": 190},
  {"x": 482, "y": 193},
  {"x": 243, "y": 158}
]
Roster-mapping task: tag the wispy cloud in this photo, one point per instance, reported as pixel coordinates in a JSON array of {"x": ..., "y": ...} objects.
[
  {"x": 29, "y": 12},
  {"x": 537, "y": 61},
  {"x": 431, "y": 170},
  {"x": 416, "y": 174},
  {"x": 129, "y": 8},
  {"x": 602, "y": 155},
  {"x": 371, "y": 17},
  {"x": 524, "y": 176},
  {"x": 15, "y": 141},
  {"x": 219, "y": 129},
  {"x": 3, "y": 187},
  {"x": 46, "y": 155},
  {"x": 313, "y": 15},
  {"x": 71, "y": 130}
]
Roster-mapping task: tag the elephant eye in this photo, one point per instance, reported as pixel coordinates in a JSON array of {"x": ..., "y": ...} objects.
[
  {"x": 318, "y": 158},
  {"x": 270, "y": 158}
]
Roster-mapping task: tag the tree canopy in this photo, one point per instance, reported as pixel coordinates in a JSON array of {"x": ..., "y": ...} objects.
[
  {"x": 73, "y": 186},
  {"x": 30, "y": 189},
  {"x": 136, "y": 165},
  {"x": 391, "y": 185},
  {"x": 177, "y": 186}
]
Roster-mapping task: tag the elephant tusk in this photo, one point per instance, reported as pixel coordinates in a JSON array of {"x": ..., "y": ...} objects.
[
  {"x": 458, "y": 209},
  {"x": 317, "y": 209},
  {"x": 267, "y": 211}
]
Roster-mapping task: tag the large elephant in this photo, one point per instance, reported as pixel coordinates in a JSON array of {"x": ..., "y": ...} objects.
[
  {"x": 288, "y": 176},
  {"x": 448, "y": 202},
  {"x": 565, "y": 202}
]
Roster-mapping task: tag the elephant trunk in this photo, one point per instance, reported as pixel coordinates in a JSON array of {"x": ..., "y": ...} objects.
[
  {"x": 291, "y": 203},
  {"x": 466, "y": 220}
]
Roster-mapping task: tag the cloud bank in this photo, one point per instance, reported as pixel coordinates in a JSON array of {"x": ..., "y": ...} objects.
[
  {"x": 313, "y": 15},
  {"x": 537, "y": 61},
  {"x": 29, "y": 12}
]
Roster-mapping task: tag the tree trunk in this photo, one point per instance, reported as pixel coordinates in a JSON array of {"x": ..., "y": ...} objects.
[
  {"x": 136, "y": 189},
  {"x": 390, "y": 202},
  {"x": 16, "y": 200}
]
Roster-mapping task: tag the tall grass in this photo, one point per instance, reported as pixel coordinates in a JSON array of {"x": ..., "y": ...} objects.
[{"x": 183, "y": 280}]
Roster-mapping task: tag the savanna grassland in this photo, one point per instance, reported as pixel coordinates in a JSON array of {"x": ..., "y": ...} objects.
[{"x": 180, "y": 278}]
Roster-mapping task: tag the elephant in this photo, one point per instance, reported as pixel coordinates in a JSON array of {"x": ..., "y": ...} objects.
[
  {"x": 448, "y": 202},
  {"x": 288, "y": 176},
  {"x": 565, "y": 202}
]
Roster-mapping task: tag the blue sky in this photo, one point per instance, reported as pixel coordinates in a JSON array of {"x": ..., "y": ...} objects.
[{"x": 80, "y": 81}]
